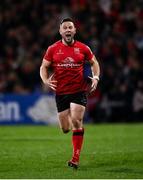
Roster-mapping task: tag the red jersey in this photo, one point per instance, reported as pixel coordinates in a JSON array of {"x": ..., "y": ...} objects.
[{"x": 67, "y": 62}]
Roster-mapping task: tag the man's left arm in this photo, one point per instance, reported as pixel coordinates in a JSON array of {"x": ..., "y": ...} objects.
[{"x": 95, "y": 68}]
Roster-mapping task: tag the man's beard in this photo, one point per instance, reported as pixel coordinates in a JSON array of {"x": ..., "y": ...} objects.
[{"x": 68, "y": 39}]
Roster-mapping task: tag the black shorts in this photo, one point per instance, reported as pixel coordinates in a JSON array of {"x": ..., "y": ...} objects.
[{"x": 63, "y": 101}]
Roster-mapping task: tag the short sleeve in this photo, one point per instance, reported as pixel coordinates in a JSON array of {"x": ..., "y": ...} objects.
[
  {"x": 49, "y": 54},
  {"x": 88, "y": 53}
]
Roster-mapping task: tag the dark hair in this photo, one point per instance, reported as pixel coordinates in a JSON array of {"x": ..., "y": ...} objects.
[{"x": 66, "y": 20}]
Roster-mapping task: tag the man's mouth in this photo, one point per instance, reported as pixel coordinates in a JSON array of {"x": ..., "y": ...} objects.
[{"x": 68, "y": 35}]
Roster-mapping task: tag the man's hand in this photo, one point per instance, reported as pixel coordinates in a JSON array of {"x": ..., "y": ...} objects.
[
  {"x": 94, "y": 83},
  {"x": 51, "y": 82}
]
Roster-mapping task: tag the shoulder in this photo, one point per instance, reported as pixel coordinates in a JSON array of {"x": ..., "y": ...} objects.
[
  {"x": 54, "y": 45},
  {"x": 82, "y": 45},
  {"x": 78, "y": 43},
  {"x": 85, "y": 48}
]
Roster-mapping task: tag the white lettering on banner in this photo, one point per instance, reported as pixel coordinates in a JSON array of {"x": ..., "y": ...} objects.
[
  {"x": 44, "y": 110},
  {"x": 9, "y": 111}
]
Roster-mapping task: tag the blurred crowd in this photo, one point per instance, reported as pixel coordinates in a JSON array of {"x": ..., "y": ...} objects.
[{"x": 112, "y": 28}]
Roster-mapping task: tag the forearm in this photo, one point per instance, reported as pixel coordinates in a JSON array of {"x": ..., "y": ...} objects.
[
  {"x": 44, "y": 73},
  {"x": 44, "y": 70},
  {"x": 95, "y": 73},
  {"x": 95, "y": 68}
]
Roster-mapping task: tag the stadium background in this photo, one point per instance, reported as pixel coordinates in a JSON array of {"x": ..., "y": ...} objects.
[
  {"x": 113, "y": 145},
  {"x": 113, "y": 30}
]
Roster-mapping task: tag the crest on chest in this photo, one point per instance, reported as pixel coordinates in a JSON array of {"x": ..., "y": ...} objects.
[{"x": 76, "y": 50}]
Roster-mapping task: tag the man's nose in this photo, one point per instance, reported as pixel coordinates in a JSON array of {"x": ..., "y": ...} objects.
[{"x": 68, "y": 30}]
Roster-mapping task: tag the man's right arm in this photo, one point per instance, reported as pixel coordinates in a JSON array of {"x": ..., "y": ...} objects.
[{"x": 45, "y": 75}]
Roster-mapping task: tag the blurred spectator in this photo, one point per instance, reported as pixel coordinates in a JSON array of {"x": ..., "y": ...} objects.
[
  {"x": 138, "y": 102},
  {"x": 112, "y": 28}
]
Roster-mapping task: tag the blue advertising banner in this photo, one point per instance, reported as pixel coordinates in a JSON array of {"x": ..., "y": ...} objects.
[{"x": 28, "y": 109}]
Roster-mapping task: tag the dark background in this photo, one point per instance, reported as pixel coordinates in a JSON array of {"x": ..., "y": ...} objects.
[{"x": 112, "y": 28}]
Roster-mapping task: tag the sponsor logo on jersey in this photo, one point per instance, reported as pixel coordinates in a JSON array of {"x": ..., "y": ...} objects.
[{"x": 68, "y": 62}]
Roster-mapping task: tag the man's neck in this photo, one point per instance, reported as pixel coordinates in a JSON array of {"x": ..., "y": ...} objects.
[{"x": 67, "y": 44}]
